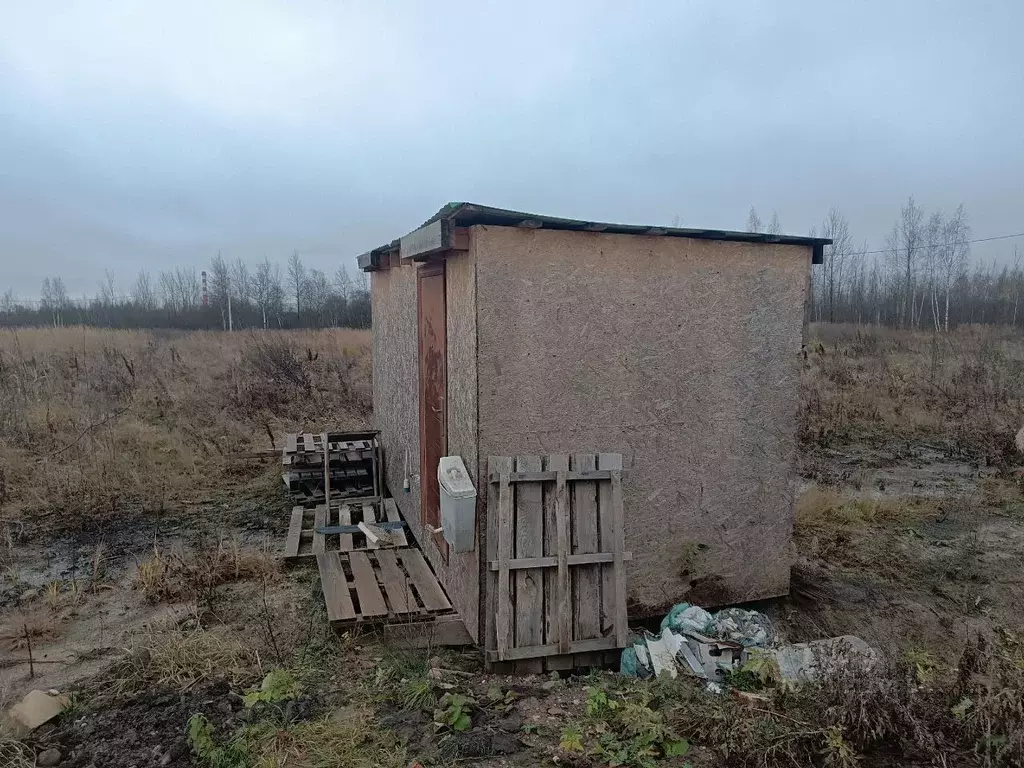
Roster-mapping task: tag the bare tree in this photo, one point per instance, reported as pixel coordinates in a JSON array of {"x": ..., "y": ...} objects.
[
  {"x": 909, "y": 242},
  {"x": 753, "y": 221},
  {"x": 142, "y": 291},
  {"x": 955, "y": 250},
  {"x": 241, "y": 282},
  {"x": 268, "y": 291},
  {"x": 837, "y": 255},
  {"x": 773, "y": 225},
  {"x": 297, "y": 281},
  {"x": 342, "y": 282},
  {"x": 108, "y": 290}
]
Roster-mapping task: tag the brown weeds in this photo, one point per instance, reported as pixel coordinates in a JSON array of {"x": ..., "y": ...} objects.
[{"x": 99, "y": 424}]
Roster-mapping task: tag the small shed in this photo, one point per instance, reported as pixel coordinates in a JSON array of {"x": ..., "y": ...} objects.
[{"x": 498, "y": 333}]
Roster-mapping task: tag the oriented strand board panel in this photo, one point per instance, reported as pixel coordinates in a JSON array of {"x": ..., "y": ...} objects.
[
  {"x": 396, "y": 405},
  {"x": 681, "y": 354},
  {"x": 462, "y": 574},
  {"x": 396, "y": 376}
]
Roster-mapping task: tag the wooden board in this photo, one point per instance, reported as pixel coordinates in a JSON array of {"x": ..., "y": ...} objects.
[
  {"x": 392, "y": 515},
  {"x": 585, "y": 535},
  {"x": 495, "y": 466},
  {"x": 504, "y": 625},
  {"x": 335, "y": 586},
  {"x": 400, "y": 597},
  {"x": 319, "y": 521},
  {"x": 291, "y": 544},
  {"x": 608, "y": 461},
  {"x": 427, "y": 585},
  {"x": 345, "y": 518},
  {"x": 371, "y": 601},
  {"x": 529, "y": 584}
]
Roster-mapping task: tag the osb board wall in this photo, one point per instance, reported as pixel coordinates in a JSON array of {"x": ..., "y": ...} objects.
[
  {"x": 396, "y": 383},
  {"x": 462, "y": 575},
  {"x": 683, "y": 355},
  {"x": 396, "y": 405}
]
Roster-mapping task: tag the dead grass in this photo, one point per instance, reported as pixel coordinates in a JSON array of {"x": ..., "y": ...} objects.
[
  {"x": 38, "y": 624},
  {"x": 180, "y": 659},
  {"x": 194, "y": 574},
  {"x": 15, "y": 754},
  {"x": 964, "y": 389},
  {"x": 823, "y": 507},
  {"x": 99, "y": 424},
  {"x": 349, "y": 738}
]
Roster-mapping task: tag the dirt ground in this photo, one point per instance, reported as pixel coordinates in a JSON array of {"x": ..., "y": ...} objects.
[{"x": 909, "y": 534}]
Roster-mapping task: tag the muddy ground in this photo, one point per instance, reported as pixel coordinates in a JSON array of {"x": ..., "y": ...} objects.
[{"x": 920, "y": 585}]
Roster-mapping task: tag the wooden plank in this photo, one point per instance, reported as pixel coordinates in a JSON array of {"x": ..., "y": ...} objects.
[
  {"x": 442, "y": 631},
  {"x": 529, "y": 606},
  {"x": 427, "y": 585},
  {"x": 319, "y": 521},
  {"x": 393, "y": 516},
  {"x": 290, "y": 443},
  {"x": 618, "y": 547},
  {"x": 398, "y": 592},
  {"x": 495, "y": 464},
  {"x": 588, "y": 648},
  {"x": 503, "y": 626},
  {"x": 422, "y": 242},
  {"x": 549, "y": 476},
  {"x": 335, "y": 587},
  {"x": 369, "y": 516},
  {"x": 609, "y": 461},
  {"x": 562, "y": 593},
  {"x": 291, "y": 544},
  {"x": 371, "y": 601},
  {"x": 345, "y": 518},
  {"x": 586, "y": 578},
  {"x": 327, "y": 469},
  {"x": 555, "y": 463},
  {"x": 552, "y": 562}
]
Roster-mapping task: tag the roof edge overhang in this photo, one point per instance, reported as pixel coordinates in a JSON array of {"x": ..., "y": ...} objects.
[{"x": 438, "y": 233}]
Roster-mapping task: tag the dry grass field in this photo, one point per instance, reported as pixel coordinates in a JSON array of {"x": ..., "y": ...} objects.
[
  {"x": 138, "y": 560},
  {"x": 108, "y": 425}
]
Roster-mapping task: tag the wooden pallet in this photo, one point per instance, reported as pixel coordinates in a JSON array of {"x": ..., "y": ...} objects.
[
  {"x": 384, "y": 585},
  {"x": 332, "y": 465},
  {"x": 304, "y": 541},
  {"x": 556, "y": 585}
]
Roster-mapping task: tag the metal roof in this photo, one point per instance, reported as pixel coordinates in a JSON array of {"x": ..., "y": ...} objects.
[{"x": 469, "y": 214}]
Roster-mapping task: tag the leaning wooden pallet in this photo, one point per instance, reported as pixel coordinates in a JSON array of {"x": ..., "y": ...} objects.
[{"x": 556, "y": 583}]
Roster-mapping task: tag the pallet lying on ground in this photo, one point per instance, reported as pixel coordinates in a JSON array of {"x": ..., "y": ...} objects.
[
  {"x": 556, "y": 585},
  {"x": 304, "y": 541},
  {"x": 379, "y": 586}
]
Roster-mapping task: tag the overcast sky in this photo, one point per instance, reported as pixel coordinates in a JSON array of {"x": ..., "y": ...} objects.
[{"x": 152, "y": 134}]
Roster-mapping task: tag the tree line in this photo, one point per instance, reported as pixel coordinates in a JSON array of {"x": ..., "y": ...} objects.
[
  {"x": 228, "y": 295},
  {"x": 921, "y": 278}
]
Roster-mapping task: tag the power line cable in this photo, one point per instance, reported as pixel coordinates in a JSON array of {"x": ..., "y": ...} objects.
[{"x": 936, "y": 245}]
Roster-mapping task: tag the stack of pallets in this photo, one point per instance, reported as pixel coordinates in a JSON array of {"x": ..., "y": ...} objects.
[
  {"x": 349, "y": 466},
  {"x": 371, "y": 572}
]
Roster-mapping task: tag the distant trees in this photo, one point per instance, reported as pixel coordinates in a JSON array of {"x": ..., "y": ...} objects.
[
  {"x": 753, "y": 221},
  {"x": 259, "y": 298},
  {"x": 922, "y": 277}
]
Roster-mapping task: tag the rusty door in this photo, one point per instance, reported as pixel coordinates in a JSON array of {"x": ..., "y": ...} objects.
[{"x": 433, "y": 390}]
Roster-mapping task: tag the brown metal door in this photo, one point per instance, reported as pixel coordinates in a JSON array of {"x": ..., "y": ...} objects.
[{"x": 433, "y": 390}]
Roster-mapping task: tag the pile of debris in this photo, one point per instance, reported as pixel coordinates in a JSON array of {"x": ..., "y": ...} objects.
[{"x": 714, "y": 647}]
